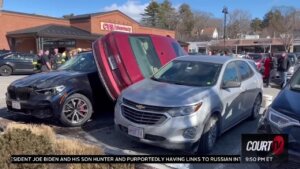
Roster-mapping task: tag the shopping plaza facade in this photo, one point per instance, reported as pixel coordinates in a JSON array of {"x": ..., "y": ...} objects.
[{"x": 25, "y": 32}]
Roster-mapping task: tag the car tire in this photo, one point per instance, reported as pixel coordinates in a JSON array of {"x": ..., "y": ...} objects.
[
  {"x": 256, "y": 107},
  {"x": 209, "y": 136},
  {"x": 5, "y": 70},
  {"x": 76, "y": 110}
]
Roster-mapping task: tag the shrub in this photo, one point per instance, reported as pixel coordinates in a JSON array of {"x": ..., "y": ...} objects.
[{"x": 22, "y": 141}]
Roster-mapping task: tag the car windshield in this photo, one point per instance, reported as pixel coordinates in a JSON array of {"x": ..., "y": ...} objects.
[
  {"x": 83, "y": 62},
  {"x": 255, "y": 57},
  {"x": 295, "y": 83},
  {"x": 189, "y": 73}
]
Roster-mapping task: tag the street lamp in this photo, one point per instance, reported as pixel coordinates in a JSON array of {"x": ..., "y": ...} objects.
[{"x": 225, "y": 11}]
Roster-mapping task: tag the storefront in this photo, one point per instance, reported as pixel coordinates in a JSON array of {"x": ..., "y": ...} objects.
[{"x": 29, "y": 32}]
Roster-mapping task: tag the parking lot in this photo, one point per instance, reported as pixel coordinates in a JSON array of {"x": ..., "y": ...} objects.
[{"x": 100, "y": 131}]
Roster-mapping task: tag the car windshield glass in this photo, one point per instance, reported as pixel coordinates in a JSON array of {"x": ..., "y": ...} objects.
[
  {"x": 190, "y": 73},
  {"x": 145, "y": 55},
  {"x": 83, "y": 62},
  {"x": 295, "y": 83},
  {"x": 255, "y": 57}
]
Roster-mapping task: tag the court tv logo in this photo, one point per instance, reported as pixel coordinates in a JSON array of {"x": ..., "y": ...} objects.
[{"x": 264, "y": 148}]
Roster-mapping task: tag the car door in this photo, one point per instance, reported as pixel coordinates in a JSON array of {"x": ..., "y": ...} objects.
[
  {"x": 248, "y": 86},
  {"x": 231, "y": 97},
  {"x": 27, "y": 63}
]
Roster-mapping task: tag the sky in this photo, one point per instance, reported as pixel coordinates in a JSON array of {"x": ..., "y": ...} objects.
[{"x": 134, "y": 8}]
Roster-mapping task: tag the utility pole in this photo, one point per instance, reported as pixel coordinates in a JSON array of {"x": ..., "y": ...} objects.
[
  {"x": 225, "y": 11},
  {"x": 1, "y": 4}
]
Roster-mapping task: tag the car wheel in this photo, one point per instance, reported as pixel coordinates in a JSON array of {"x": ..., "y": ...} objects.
[
  {"x": 5, "y": 70},
  {"x": 209, "y": 136},
  {"x": 256, "y": 107},
  {"x": 77, "y": 109}
]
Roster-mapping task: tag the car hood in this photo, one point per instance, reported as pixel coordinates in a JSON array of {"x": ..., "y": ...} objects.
[
  {"x": 155, "y": 93},
  {"x": 287, "y": 102},
  {"x": 46, "y": 80}
]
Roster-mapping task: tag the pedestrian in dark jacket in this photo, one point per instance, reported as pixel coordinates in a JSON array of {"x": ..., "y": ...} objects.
[
  {"x": 45, "y": 61},
  {"x": 283, "y": 67}
]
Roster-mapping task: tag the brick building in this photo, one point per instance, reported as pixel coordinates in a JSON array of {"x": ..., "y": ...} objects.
[{"x": 29, "y": 32}]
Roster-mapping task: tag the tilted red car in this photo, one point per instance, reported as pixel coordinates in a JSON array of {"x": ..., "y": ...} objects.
[{"x": 123, "y": 59}]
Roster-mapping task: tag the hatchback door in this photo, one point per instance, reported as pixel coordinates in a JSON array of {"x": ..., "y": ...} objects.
[{"x": 124, "y": 59}]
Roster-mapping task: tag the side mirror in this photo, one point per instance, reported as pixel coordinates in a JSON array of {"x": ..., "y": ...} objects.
[{"x": 231, "y": 84}]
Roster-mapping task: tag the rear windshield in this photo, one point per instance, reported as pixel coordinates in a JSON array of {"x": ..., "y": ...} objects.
[{"x": 145, "y": 55}]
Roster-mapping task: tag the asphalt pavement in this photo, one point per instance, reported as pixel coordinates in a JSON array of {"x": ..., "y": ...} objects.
[{"x": 100, "y": 131}]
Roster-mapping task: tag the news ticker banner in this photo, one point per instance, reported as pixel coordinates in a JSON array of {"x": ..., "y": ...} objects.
[
  {"x": 255, "y": 148},
  {"x": 124, "y": 159}
]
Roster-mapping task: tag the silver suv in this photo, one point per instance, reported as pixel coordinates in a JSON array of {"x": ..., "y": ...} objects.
[{"x": 189, "y": 102}]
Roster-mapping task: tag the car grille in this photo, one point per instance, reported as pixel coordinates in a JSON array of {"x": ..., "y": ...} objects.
[
  {"x": 19, "y": 93},
  {"x": 142, "y": 117},
  {"x": 146, "y": 107}
]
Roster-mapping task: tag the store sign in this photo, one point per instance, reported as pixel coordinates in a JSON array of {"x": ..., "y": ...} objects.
[{"x": 115, "y": 27}]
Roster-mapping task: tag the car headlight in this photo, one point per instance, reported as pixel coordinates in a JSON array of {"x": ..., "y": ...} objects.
[
  {"x": 280, "y": 120},
  {"x": 183, "y": 111},
  {"x": 52, "y": 90}
]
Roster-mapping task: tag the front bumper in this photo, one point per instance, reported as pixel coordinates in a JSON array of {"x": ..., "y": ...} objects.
[
  {"x": 168, "y": 134},
  {"x": 37, "y": 105}
]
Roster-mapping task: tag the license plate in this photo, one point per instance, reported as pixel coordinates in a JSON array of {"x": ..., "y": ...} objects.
[
  {"x": 16, "y": 105},
  {"x": 136, "y": 131}
]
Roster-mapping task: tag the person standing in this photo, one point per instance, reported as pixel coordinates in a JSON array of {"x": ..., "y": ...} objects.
[
  {"x": 45, "y": 61},
  {"x": 38, "y": 64},
  {"x": 283, "y": 67},
  {"x": 268, "y": 67},
  {"x": 57, "y": 59}
]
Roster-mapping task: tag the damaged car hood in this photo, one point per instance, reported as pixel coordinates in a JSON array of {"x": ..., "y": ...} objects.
[{"x": 46, "y": 80}]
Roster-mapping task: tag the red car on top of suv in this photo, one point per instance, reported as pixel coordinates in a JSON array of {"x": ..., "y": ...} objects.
[{"x": 123, "y": 59}]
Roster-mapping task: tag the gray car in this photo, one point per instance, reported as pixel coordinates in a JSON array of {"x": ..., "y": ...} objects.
[{"x": 189, "y": 102}]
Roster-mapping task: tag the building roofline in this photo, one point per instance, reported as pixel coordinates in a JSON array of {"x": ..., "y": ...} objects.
[{"x": 35, "y": 15}]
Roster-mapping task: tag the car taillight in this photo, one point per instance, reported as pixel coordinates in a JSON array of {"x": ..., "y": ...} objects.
[{"x": 112, "y": 63}]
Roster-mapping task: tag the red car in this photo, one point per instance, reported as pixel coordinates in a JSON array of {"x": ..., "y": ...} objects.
[
  {"x": 124, "y": 59},
  {"x": 259, "y": 59}
]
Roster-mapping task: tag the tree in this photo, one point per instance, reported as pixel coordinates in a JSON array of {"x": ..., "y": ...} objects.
[
  {"x": 238, "y": 23},
  {"x": 283, "y": 23},
  {"x": 185, "y": 23},
  {"x": 256, "y": 25},
  {"x": 167, "y": 16},
  {"x": 150, "y": 17},
  {"x": 203, "y": 20}
]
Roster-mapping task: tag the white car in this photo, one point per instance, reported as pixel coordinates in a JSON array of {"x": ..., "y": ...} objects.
[{"x": 189, "y": 102}]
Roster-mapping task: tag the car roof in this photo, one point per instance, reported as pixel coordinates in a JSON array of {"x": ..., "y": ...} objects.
[{"x": 206, "y": 58}]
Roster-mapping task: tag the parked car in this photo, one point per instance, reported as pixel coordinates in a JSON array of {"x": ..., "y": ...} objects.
[
  {"x": 283, "y": 117},
  {"x": 124, "y": 58},
  {"x": 4, "y": 52},
  {"x": 189, "y": 102},
  {"x": 259, "y": 59},
  {"x": 17, "y": 63},
  {"x": 68, "y": 94}
]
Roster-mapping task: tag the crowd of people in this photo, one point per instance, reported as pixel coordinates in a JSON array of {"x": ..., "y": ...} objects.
[
  {"x": 280, "y": 64},
  {"x": 47, "y": 62}
]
